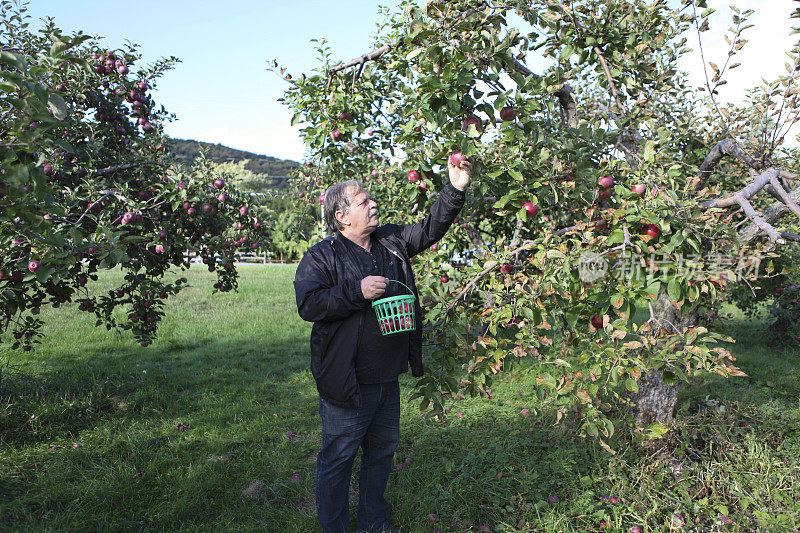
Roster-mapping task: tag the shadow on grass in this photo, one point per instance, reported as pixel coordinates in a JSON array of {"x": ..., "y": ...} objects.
[
  {"x": 490, "y": 471},
  {"x": 184, "y": 377},
  {"x": 176, "y": 424}
]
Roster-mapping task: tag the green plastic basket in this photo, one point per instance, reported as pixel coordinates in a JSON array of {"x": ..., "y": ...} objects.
[{"x": 396, "y": 313}]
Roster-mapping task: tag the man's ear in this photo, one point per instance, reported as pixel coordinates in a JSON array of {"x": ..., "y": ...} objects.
[{"x": 343, "y": 219}]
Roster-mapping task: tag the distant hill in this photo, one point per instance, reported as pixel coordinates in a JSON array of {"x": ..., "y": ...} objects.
[{"x": 186, "y": 151}]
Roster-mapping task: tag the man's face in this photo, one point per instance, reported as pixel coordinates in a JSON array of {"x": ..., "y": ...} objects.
[{"x": 362, "y": 217}]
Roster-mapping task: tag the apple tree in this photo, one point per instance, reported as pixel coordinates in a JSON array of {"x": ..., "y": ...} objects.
[
  {"x": 86, "y": 185},
  {"x": 598, "y": 235}
]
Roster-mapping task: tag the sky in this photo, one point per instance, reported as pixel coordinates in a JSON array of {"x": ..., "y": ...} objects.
[{"x": 222, "y": 92}]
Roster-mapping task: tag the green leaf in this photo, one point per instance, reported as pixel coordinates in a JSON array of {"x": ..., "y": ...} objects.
[
  {"x": 631, "y": 385},
  {"x": 414, "y": 53},
  {"x": 674, "y": 290},
  {"x": 516, "y": 174},
  {"x": 10, "y": 58},
  {"x": 656, "y": 430},
  {"x": 649, "y": 151},
  {"x": 572, "y": 318},
  {"x": 669, "y": 378},
  {"x": 45, "y": 273},
  {"x": 57, "y": 105},
  {"x": 59, "y": 47}
]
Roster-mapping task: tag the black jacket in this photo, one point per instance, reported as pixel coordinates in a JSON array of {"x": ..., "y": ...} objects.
[{"x": 328, "y": 290}]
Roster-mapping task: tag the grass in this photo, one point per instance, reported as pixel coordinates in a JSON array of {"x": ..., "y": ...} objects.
[{"x": 205, "y": 429}]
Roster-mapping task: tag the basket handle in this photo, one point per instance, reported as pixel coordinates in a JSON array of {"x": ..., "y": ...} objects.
[{"x": 404, "y": 285}]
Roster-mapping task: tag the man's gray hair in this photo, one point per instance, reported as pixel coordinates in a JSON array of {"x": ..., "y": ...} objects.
[{"x": 338, "y": 197}]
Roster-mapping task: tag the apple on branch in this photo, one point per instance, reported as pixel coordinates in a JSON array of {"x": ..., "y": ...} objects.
[
  {"x": 606, "y": 182},
  {"x": 531, "y": 209},
  {"x": 651, "y": 230},
  {"x": 471, "y": 120},
  {"x": 456, "y": 158},
  {"x": 508, "y": 113}
]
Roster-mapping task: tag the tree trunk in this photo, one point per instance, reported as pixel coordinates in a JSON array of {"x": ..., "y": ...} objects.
[{"x": 655, "y": 401}]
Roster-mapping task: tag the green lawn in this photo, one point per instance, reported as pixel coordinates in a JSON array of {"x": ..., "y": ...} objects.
[{"x": 205, "y": 429}]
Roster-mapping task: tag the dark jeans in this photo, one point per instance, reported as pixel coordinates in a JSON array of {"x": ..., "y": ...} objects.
[{"x": 375, "y": 427}]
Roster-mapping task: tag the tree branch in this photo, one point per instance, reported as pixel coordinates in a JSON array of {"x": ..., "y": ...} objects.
[
  {"x": 777, "y": 190},
  {"x": 771, "y": 215},
  {"x": 369, "y": 56},
  {"x": 747, "y": 193},
  {"x": 743, "y": 199},
  {"x": 490, "y": 266},
  {"x": 610, "y": 79},
  {"x": 568, "y": 106},
  {"x": 564, "y": 94},
  {"x": 724, "y": 147}
]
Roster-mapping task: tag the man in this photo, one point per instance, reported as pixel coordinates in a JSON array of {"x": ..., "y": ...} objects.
[{"x": 354, "y": 365}]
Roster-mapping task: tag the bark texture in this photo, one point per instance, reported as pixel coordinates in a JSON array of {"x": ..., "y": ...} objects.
[{"x": 655, "y": 401}]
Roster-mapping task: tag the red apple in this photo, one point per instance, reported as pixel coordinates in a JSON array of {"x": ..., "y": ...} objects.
[
  {"x": 243, "y": 210},
  {"x": 322, "y": 198},
  {"x": 639, "y": 189},
  {"x": 445, "y": 278},
  {"x": 191, "y": 211},
  {"x": 222, "y": 198},
  {"x": 336, "y": 134},
  {"x": 508, "y": 268},
  {"x": 606, "y": 182},
  {"x": 219, "y": 183},
  {"x": 508, "y": 114},
  {"x": 412, "y": 176},
  {"x": 422, "y": 185},
  {"x": 345, "y": 115},
  {"x": 471, "y": 120},
  {"x": 651, "y": 230},
  {"x": 597, "y": 321},
  {"x": 33, "y": 266},
  {"x": 374, "y": 173},
  {"x": 48, "y": 170},
  {"x": 456, "y": 158},
  {"x": 605, "y": 194},
  {"x": 531, "y": 209},
  {"x": 160, "y": 249}
]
